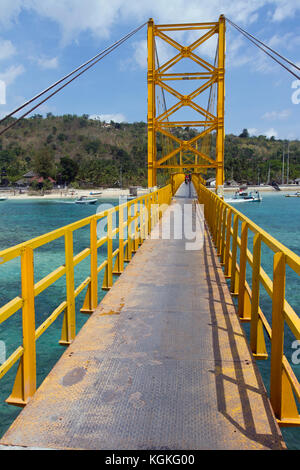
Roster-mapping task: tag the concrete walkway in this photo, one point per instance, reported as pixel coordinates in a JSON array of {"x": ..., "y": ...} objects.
[{"x": 161, "y": 364}]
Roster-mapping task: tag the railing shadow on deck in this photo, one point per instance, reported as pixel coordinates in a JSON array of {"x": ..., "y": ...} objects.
[{"x": 218, "y": 301}]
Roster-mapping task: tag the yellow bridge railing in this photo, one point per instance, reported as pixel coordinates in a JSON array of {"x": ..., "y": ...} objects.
[
  {"x": 225, "y": 224},
  {"x": 141, "y": 214}
]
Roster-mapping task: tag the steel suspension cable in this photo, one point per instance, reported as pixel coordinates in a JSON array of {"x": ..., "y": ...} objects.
[
  {"x": 257, "y": 43},
  {"x": 92, "y": 62}
]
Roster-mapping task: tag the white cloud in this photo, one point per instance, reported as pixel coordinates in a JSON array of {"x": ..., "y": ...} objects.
[
  {"x": 11, "y": 73},
  {"x": 271, "y": 133},
  {"x": 7, "y": 49},
  {"x": 288, "y": 41},
  {"x": 99, "y": 16},
  {"x": 253, "y": 131},
  {"x": 118, "y": 117},
  {"x": 9, "y": 12},
  {"x": 277, "y": 115},
  {"x": 285, "y": 9},
  {"x": 45, "y": 63}
]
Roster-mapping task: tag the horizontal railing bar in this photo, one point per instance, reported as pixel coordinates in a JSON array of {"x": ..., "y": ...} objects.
[
  {"x": 10, "y": 308},
  {"x": 81, "y": 256},
  {"x": 102, "y": 265},
  {"x": 43, "y": 327},
  {"x": 292, "y": 319},
  {"x": 44, "y": 283},
  {"x": 80, "y": 288},
  {"x": 101, "y": 241},
  {"x": 292, "y": 377},
  {"x": 11, "y": 253},
  {"x": 11, "y": 361},
  {"x": 265, "y": 322}
]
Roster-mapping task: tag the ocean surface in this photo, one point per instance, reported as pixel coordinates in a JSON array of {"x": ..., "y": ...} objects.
[{"x": 23, "y": 220}]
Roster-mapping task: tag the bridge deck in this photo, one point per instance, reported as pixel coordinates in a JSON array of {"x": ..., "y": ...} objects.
[{"x": 162, "y": 364}]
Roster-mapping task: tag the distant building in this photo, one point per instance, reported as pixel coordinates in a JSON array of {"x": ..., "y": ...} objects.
[
  {"x": 231, "y": 183},
  {"x": 31, "y": 176},
  {"x": 26, "y": 179}
]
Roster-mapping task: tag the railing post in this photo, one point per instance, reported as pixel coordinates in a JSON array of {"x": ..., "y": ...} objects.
[
  {"x": 216, "y": 220},
  {"x": 119, "y": 265},
  {"x": 149, "y": 207},
  {"x": 142, "y": 223},
  {"x": 91, "y": 298},
  {"x": 25, "y": 382},
  {"x": 69, "y": 323},
  {"x": 243, "y": 265},
  {"x": 130, "y": 240},
  {"x": 108, "y": 281},
  {"x": 234, "y": 253},
  {"x": 223, "y": 241},
  {"x": 219, "y": 229},
  {"x": 227, "y": 272},
  {"x": 277, "y": 333},
  {"x": 135, "y": 225},
  {"x": 94, "y": 263},
  {"x": 257, "y": 342}
]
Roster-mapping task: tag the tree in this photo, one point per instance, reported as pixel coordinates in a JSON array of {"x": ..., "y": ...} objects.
[
  {"x": 244, "y": 134},
  {"x": 68, "y": 170},
  {"x": 43, "y": 162}
]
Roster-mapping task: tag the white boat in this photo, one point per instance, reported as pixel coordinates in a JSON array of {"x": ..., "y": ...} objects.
[
  {"x": 244, "y": 196},
  {"x": 3, "y": 198},
  {"x": 85, "y": 200},
  {"x": 297, "y": 194}
]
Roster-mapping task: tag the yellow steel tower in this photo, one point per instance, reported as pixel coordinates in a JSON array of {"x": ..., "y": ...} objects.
[{"x": 193, "y": 154}]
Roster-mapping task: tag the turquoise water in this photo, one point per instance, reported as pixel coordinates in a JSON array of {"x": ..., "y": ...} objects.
[
  {"x": 23, "y": 220},
  {"x": 280, "y": 216}
]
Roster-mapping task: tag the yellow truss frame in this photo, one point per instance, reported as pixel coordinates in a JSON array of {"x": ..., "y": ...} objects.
[{"x": 159, "y": 76}]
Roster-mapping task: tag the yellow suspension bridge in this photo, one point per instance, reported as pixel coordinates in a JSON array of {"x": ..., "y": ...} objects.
[{"x": 163, "y": 361}]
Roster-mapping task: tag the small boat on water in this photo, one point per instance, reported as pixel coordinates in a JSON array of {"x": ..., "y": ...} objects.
[
  {"x": 96, "y": 193},
  {"x": 85, "y": 200},
  {"x": 3, "y": 199},
  {"x": 297, "y": 194},
  {"x": 244, "y": 196}
]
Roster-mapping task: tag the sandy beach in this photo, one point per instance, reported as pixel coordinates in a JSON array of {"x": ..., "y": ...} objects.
[
  {"x": 110, "y": 193},
  {"x": 107, "y": 193},
  {"x": 283, "y": 187}
]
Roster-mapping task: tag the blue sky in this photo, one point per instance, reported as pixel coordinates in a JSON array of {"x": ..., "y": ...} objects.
[{"x": 40, "y": 41}]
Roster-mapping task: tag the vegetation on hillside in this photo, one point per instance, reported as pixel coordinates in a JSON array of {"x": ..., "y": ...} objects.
[{"x": 83, "y": 152}]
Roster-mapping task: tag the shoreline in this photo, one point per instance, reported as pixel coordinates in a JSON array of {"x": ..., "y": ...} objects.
[
  {"x": 110, "y": 193},
  {"x": 283, "y": 188}
]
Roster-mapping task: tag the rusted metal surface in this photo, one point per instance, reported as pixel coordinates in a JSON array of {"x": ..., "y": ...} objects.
[{"x": 163, "y": 363}]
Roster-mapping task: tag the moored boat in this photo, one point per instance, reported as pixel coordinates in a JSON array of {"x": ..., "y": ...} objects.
[
  {"x": 244, "y": 196},
  {"x": 85, "y": 200},
  {"x": 297, "y": 194}
]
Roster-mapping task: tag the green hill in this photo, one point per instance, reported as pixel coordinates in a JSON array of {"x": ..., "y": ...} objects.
[{"x": 84, "y": 152}]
